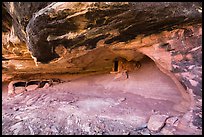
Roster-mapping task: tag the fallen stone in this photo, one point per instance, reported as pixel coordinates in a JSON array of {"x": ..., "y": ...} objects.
[
  {"x": 18, "y": 118},
  {"x": 178, "y": 57},
  {"x": 46, "y": 85},
  {"x": 16, "y": 128},
  {"x": 171, "y": 120},
  {"x": 145, "y": 132},
  {"x": 121, "y": 99},
  {"x": 189, "y": 56},
  {"x": 156, "y": 122},
  {"x": 121, "y": 76},
  {"x": 167, "y": 130},
  {"x": 193, "y": 82}
]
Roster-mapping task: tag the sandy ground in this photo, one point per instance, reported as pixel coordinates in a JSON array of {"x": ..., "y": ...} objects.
[{"x": 96, "y": 104}]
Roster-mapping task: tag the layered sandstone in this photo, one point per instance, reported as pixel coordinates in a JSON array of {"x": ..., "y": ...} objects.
[{"x": 64, "y": 37}]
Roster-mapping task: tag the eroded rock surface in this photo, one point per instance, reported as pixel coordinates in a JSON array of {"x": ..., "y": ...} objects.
[
  {"x": 16, "y": 87},
  {"x": 156, "y": 122},
  {"x": 96, "y": 105},
  {"x": 44, "y": 39}
]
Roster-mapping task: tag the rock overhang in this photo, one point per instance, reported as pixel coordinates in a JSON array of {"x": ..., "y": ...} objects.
[{"x": 85, "y": 24}]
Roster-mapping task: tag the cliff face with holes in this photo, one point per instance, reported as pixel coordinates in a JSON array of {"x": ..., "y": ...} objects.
[{"x": 48, "y": 38}]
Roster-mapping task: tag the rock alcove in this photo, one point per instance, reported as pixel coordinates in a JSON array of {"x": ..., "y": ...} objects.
[{"x": 102, "y": 68}]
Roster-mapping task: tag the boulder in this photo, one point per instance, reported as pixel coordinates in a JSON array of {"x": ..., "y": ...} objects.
[{"x": 156, "y": 122}]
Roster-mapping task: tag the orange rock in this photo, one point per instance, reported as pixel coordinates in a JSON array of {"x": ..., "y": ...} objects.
[
  {"x": 178, "y": 57},
  {"x": 147, "y": 40},
  {"x": 189, "y": 56}
]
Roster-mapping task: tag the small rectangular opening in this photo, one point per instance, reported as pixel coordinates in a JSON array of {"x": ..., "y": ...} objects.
[
  {"x": 116, "y": 65},
  {"x": 20, "y": 84}
]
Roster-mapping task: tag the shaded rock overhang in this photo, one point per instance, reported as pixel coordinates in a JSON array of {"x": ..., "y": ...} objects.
[{"x": 47, "y": 25}]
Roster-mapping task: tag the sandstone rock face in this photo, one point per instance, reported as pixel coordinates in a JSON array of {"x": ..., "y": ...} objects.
[
  {"x": 78, "y": 24},
  {"x": 21, "y": 13},
  {"x": 156, "y": 122},
  {"x": 65, "y": 37},
  {"x": 172, "y": 120},
  {"x": 121, "y": 76},
  {"x": 57, "y": 31},
  {"x": 31, "y": 87}
]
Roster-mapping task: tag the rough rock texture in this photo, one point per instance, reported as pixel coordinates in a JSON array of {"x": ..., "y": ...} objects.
[
  {"x": 49, "y": 38},
  {"x": 83, "y": 24},
  {"x": 21, "y": 13},
  {"x": 95, "y": 104},
  {"x": 156, "y": 122}
]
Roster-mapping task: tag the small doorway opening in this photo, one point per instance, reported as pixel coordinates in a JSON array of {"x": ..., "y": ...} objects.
[{"x": 116, "y": 65}]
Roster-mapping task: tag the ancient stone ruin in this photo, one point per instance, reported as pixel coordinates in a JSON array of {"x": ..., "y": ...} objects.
[{"x": 102, "y": 68}]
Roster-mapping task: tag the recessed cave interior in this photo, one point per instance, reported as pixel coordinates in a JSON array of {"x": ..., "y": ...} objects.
[{"x": 136, "y": 89}]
